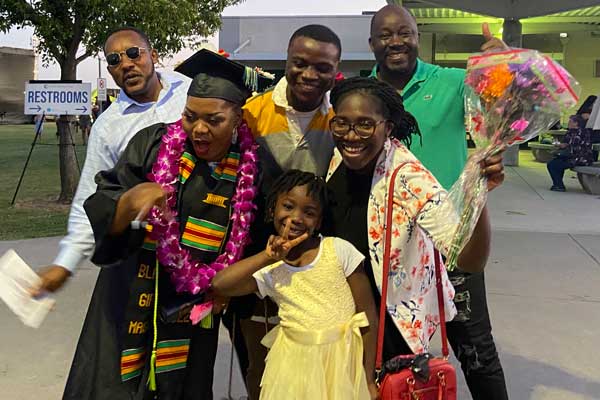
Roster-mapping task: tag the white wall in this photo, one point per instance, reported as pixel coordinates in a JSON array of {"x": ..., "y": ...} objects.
[{"x": 582, "y": 51}]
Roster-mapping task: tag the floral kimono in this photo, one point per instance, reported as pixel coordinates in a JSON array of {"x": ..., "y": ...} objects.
[{"x": 417, "y": 226}]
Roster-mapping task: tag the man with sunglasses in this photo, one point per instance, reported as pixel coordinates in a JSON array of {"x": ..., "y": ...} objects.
[
  {"x": 146, "y": 98},
  {"x": 434, "y": 96}
]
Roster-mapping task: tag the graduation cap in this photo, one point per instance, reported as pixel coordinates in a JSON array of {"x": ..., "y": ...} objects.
[{"x": 215, "y": 76}]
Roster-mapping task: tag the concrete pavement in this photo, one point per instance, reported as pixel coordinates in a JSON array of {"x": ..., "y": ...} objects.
[{"x": 542, "y": 281}]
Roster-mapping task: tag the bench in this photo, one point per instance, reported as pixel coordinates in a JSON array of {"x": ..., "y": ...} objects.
[
  {"x": 589, "y": 178},
  {"x": 542, "y": 152}
]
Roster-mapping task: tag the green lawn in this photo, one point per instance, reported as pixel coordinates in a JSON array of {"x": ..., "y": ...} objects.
[{"x": 36, "y": 212}]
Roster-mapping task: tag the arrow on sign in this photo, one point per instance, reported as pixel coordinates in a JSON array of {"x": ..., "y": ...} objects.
[
  {"x": 82, "y": 109},
  {"x": 36, "y": 108}
]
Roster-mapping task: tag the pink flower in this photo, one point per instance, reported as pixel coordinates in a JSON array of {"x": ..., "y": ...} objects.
[
  {"x": 200, "y": 311},
  {"x": 519, "y": 125}
]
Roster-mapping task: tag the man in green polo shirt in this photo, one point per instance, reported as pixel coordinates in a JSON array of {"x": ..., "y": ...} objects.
[
  {"x": 434, "y": 95},
  {"x": 431, "y": 96}
]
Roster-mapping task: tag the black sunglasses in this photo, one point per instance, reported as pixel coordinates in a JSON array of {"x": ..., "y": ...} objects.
[{"x": 133, "y": 53}]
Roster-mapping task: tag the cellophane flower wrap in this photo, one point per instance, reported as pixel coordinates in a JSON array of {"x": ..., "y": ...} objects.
[{"x": 511, "y": 97}]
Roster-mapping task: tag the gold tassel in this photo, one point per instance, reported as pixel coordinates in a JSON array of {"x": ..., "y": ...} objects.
[
  {"x": 152, "y": 374},
  {"x": 207, "y": 322}
]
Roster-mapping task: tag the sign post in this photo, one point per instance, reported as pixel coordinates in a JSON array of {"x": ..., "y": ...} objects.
[
  {"x": 101, "y": 89},
  {"x": 54, "y": 98}
]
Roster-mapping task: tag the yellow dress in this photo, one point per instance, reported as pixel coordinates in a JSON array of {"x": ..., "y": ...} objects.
[{"x": 316, "y": 352}]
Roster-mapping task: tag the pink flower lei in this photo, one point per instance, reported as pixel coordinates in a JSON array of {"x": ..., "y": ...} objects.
[{"x": 189, "y": 275}]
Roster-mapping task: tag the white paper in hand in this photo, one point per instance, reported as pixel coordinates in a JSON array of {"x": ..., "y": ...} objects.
[{"x": 16, "y": 278}]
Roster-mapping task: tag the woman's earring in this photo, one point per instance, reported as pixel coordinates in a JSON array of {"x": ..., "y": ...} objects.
[{"x": 234, "y": 135}]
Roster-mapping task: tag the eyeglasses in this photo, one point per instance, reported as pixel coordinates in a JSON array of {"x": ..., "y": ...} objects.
[
  {"x": 363, "y": 129},
  {"x": 133, "y": 53}
]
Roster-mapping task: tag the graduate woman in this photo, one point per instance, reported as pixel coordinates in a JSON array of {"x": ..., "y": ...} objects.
[{"x": 194, "y": 183}]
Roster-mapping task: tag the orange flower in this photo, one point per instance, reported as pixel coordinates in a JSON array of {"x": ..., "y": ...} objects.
[
  {"x": 498, "y": 80},
  {"x": 399, "y": 218},
  {"x": 375, "y": 233}
]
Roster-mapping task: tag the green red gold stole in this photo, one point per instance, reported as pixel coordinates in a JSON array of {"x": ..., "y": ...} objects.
[{"x": 204, "y": 234}]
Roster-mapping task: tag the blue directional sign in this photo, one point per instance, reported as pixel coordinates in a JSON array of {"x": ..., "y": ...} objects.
[{"x": 58, "y": 98}]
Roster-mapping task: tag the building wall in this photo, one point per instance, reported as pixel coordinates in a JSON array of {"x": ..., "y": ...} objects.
[
  {"x": 263, "y": 41},
  {"x": 16, "y": 67},
  {"x": 269, "y": 36},
  {"x": 581, "y": 53}
]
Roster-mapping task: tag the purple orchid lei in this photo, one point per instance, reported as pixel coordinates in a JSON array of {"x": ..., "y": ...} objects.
[{"x": 189, "y": 275}]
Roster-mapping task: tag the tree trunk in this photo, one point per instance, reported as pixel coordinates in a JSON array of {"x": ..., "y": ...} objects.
[{"x": 69, "y": 170}]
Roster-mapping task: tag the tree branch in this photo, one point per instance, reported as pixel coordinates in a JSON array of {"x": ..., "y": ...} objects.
[{"x": 83, "y": 56}]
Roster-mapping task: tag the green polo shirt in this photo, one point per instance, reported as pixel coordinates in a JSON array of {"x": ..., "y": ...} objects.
[{"x": 435, "y": 96}]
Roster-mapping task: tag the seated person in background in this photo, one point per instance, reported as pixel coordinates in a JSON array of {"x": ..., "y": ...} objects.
[{"x": 576, "y": 149}]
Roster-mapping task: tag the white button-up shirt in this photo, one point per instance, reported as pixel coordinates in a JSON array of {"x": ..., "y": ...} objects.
[{"x": 109, "y": 136}]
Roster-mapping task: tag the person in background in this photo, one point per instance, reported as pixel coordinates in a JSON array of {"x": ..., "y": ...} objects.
[
  {"x": 85, "y": 123},
  {"x": 576, "y": 147},
  {"x": 38, "y": 126}
]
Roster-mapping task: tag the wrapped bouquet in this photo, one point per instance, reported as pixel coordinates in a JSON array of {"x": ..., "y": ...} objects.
[{"x": 513, "y": 96}]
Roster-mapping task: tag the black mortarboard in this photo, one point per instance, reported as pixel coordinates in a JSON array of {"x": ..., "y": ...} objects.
[{"x": 218, "y": 77}]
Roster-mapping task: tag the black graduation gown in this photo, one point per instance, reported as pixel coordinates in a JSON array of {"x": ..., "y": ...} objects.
[{"x": 97, "y": 369}]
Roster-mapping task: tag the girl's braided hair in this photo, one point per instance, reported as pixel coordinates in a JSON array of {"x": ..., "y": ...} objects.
[
  {"x": 390, "y": 101},
  {"x": 316, "y": 189}
]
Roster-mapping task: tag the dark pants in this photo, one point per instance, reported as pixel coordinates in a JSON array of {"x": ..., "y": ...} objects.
[
  {"x": 232, "y": 322},
  {"x": 470, "y": 335},
  {"x": 557, "y": 168}
]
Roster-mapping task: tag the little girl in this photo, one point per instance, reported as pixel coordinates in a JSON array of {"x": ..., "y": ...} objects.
[{"x": 324, "y": 298}]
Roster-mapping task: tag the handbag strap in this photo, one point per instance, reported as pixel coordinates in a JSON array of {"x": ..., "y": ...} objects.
[{"x": 385, "y": 279}]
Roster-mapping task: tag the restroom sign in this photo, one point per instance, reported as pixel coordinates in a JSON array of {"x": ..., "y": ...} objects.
[{"x": 57, "y": 98}]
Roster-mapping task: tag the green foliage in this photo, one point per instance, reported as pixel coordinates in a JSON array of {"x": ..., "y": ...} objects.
[{"x": 61, "y": 26}]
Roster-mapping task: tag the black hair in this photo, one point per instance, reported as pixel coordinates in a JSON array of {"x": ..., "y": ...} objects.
[
  {"x": 319, "y": 33},
  {"x": 139, "y": 32},
  {"x": 587, "y": 105},
  {"x": 392, "y": 106},
  {"x": 392, "y": 7},
  {"x": 316, "y": 188}
]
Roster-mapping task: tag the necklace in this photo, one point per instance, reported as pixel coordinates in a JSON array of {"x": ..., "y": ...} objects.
[{"x": 189, "y": 275}]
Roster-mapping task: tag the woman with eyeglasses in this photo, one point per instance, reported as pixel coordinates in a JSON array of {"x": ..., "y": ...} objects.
[{"x": 373, "y": 133}]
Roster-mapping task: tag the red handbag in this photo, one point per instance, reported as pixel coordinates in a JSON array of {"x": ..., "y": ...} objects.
[{"x": 412, "y": 377}]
